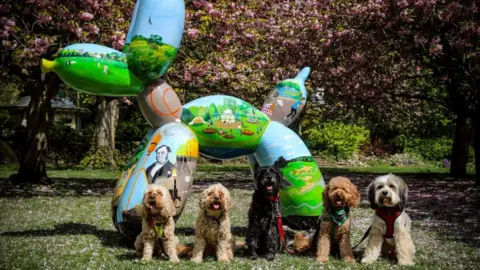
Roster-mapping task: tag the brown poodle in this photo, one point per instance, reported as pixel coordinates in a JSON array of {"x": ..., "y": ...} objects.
[
  {"x": 158, "y": 226},
  {"x": 212, "y": 229},
  {"x": 338, "y": 197}
]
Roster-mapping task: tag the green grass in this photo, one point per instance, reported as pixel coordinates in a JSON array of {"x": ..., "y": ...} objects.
[{"x": 77, "y": 233}]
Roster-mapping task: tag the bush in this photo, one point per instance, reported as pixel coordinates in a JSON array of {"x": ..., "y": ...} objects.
[
  {"x": 435, "y": 149},
  {"x": 337, "y": 139}
]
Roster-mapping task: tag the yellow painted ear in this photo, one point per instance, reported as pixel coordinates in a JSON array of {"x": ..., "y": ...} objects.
[{"x": 47, "y": 65}]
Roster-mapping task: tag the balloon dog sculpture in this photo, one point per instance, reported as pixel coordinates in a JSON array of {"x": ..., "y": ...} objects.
[{"x": 217, "y": 126}]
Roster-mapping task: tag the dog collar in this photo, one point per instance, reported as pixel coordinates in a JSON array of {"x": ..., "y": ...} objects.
[
  {"x": 273, "y": 198},
  {"x": 338, "y": 215},
  {"x": 389, "y": 215}
]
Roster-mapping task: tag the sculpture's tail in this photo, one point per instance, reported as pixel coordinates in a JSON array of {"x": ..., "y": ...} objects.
[{"x": 287, "y": 101}]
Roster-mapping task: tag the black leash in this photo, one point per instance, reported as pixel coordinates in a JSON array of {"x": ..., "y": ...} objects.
[{"x": 364, "y": 236}]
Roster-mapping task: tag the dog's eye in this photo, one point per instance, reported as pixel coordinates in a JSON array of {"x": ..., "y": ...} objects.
[
  {"x": 210, "y": 193},
  {"x": 379, "y": 186},
  {"x": 392, "y": 186},
  {"x": 220, "y": 194}
]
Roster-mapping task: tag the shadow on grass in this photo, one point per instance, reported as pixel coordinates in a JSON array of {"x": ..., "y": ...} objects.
[
  {"x": 108, "y": 238},
  {"x": 437, "y": 203},
  {"x": 60, "y": 187},
  {"x": 236, "y": 230}
]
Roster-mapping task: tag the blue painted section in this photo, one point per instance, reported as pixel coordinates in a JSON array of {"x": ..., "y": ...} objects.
[
  {"x": 301, "y": 78},
  {"x": 91, "y": 48},
  {"x": 278, "y": 140},
  {"x": 165, "y": 18},
  {"x": 253, "y": 162}
]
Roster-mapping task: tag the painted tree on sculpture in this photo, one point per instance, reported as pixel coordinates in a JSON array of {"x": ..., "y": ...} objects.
[{"x": 34, "y": 29}]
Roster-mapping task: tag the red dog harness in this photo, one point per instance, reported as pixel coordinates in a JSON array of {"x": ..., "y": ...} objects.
[
  {"x": 389, "y": 216},
  {"x": 280, "y": 222}
]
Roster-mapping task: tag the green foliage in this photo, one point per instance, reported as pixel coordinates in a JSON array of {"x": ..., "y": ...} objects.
[
  {"x": 337, "y": 139},
  {"x": 131, "y": 129},
  {"x": 66, "y": 144},
  {"x": 434, "y": 149}
]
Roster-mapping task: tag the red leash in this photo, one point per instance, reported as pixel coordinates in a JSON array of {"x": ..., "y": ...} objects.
[{"x": 280, "y": 222}]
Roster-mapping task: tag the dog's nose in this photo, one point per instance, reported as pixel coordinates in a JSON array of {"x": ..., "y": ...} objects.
[
  {"x": 217, "y": 198},
  {"x": 384, "y": 193},
  {"x": 152, "y": 197}
]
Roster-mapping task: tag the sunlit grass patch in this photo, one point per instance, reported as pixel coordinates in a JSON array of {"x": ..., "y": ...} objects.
[{"x": 77, "y": 233}]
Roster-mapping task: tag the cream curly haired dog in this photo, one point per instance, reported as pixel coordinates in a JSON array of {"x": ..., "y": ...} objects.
[
  {"x": 158, "y": 226},
  {"x": 212, "y": 228},
  {"x": 390, "y": 231}
]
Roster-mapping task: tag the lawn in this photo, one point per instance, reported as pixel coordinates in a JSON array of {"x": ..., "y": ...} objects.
[{"x": 69, "y": 225}]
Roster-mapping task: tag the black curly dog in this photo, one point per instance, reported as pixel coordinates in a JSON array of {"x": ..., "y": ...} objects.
[{"x": 262, "y": 236}]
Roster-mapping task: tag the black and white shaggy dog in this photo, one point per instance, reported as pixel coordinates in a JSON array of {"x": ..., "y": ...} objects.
[{"x": 263, "y": 237}]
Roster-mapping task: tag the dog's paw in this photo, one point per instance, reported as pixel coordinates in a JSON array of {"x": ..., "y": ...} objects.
[
  {"x": 224, "y": 259},
  {"x": 349, "y": 259},
  {"x": 405, "y": 262},
  {"x": 174, "y": 260},
  {"x": 367, "y": 260},
  {"x": 145, "y": 260},
  {"x": 269, "y": 256},
  {"x": 196, "y": 260},
  {"x": 322, "y": 259}
]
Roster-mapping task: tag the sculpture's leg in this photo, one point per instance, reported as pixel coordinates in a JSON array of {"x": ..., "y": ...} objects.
[
  {"x": 170, "y": 159},
  {"x": 301, "y": 196},
  {"x": 127, "y": 172}
]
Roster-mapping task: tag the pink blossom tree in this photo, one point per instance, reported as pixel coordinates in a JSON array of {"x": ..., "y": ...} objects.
[
  {"x": 386, "y": 62},
  {"x": 35, "y": 29}
]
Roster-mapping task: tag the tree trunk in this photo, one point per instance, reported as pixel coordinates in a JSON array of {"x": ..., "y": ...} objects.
[
  {"x": 102, "y": 153},
  {"x": 461, "y": 143},
  {"x": 33, "y": 158}
]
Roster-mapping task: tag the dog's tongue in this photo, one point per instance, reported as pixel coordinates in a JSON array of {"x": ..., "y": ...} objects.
[
  {"x": 338, "y": 202},
  {"x": 216, "y": 206},
  {"x": 269, "y": 187}
]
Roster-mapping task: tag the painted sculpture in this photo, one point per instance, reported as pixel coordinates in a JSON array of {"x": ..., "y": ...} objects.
[{"x": 217, "y": 126}]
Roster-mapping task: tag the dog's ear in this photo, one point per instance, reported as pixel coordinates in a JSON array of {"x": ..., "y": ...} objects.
[
  {"x": 402, "y": 191},
  {"x": 325, "y": 198},
  {"x": 259, "y": 173},
  {"x": 281, "y": 180},
  {"x": 354, "y": 196},
  {"x": 280, "y": 162},
  {"x": 202, "y": 198},
  {"x": 228, "y": 199},
  {"x": 144, "y": 211},
  {"x": 168, "y": 207},
  {"x": 371, "y": 195}
]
